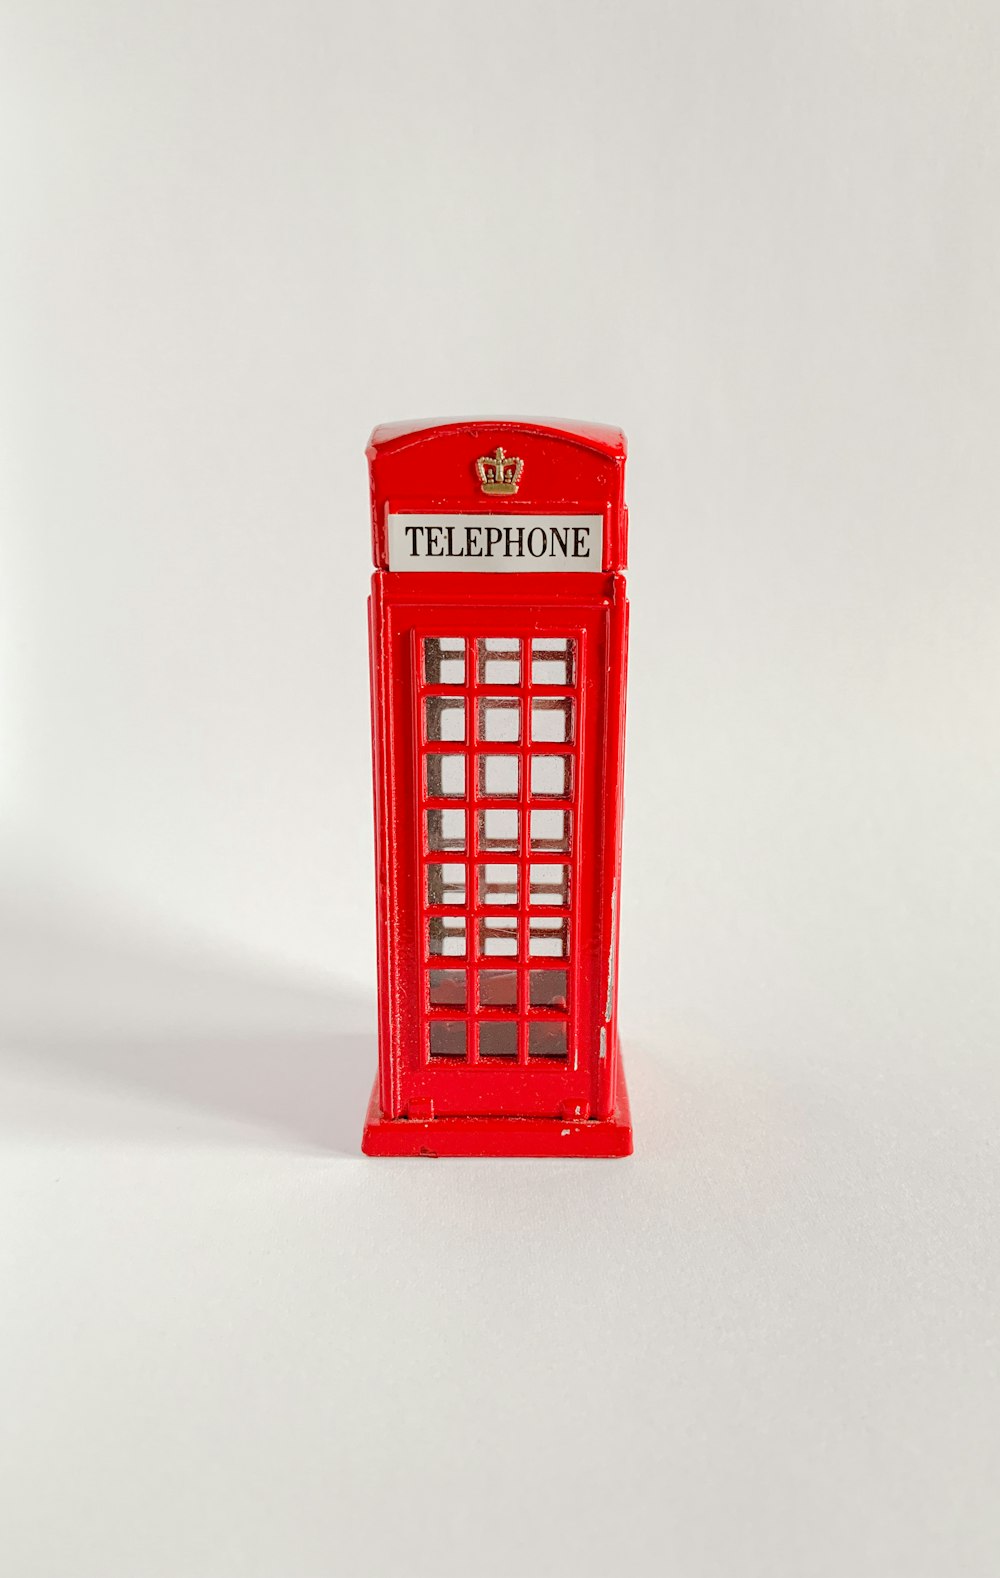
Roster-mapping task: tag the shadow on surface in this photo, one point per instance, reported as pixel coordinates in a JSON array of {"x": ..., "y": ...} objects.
[{"x": 96, "y": 1012}]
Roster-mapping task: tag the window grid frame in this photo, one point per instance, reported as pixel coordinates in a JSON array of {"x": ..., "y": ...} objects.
[{"x": 474, "y": 746}]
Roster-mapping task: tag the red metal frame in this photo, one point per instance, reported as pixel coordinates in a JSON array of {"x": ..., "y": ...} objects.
[{"x": 481, "y": 1052}]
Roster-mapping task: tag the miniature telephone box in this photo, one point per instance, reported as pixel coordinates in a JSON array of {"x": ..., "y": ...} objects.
[{"x": 498, "y": 639}]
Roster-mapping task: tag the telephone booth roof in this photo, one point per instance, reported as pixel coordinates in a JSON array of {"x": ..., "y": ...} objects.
[{"x": 566, "y": 468}]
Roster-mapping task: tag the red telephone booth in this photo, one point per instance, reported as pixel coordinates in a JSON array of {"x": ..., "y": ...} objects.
[{"x": 498, "y": 635}]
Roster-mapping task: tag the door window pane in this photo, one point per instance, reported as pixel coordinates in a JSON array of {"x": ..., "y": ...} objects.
[
  {"x": 498, "y": 1038},
  {"x": 498, "y": 830},
  {"x": 499, "y": 719},
  {"x": 499, "y": 776},
  {"x": 446, "y": 831},
  {"x": 550, "y": 776},
  {"x": 500, "y": 661},
  {"x": 548, "y": 883},
  {"x": 444, "y": 660},
  {"x": 552, "y": 661},
  {"x": 446, "y": 935},
  {"x": 547, "y": 936},
  {"x": 552, "y": 719},
  {"x": 447, "y": 1038},
  {"x": 498, "y": 988},
  {"x": 547, "y": 1038},
  {"x": 447, "y": 988},
  {"x": 498, "y": 935},
  {"x": 446, "y": 775},
  {"x": 444, "y": 717},
  {"x": 550, "y": 830},
  {"x": 445, "y": 883},
  {"x": 547, "y": 988},
  {"x": 498, "y": 884}
]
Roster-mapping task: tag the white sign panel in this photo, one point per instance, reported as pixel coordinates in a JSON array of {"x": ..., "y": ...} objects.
[{"x": 520, "y": 543}]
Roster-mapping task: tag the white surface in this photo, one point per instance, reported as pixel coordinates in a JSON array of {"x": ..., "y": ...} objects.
[
  {"x": 764, "y": 239},
  {"x": 412, "y": 552}
]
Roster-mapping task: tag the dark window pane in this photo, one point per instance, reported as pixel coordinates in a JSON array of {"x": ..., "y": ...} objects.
[
  {"x": 447, "y": 1038},
  {"x": 547, "y": 988},
  {"x": 547, "y": 1038},
  {"x": 498, "y": 989},
  {"x": 498, "y": 1039},
  {"x": 447, "y": 988}
]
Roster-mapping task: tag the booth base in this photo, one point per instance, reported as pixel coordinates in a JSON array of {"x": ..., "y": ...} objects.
[{"x": 596, "y": 1137}]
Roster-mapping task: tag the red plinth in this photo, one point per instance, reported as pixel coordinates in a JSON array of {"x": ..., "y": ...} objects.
[{"x": 499, "y": 1136}]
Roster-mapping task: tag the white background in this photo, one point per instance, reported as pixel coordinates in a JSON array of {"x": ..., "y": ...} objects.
[{"x": 763, "y": 238}]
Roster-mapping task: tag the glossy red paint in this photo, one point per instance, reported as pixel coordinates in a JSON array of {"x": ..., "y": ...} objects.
[{"x": 498, "y": 700}]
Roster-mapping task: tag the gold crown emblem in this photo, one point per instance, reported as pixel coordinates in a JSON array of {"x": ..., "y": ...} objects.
[{"x": 499, "y": 473}]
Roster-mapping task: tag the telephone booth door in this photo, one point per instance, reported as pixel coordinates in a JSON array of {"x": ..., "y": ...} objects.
[{"x": 498, "y": 726}]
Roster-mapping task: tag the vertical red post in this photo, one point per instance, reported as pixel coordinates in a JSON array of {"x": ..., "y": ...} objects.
[{"x": 498, "y": 625}]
